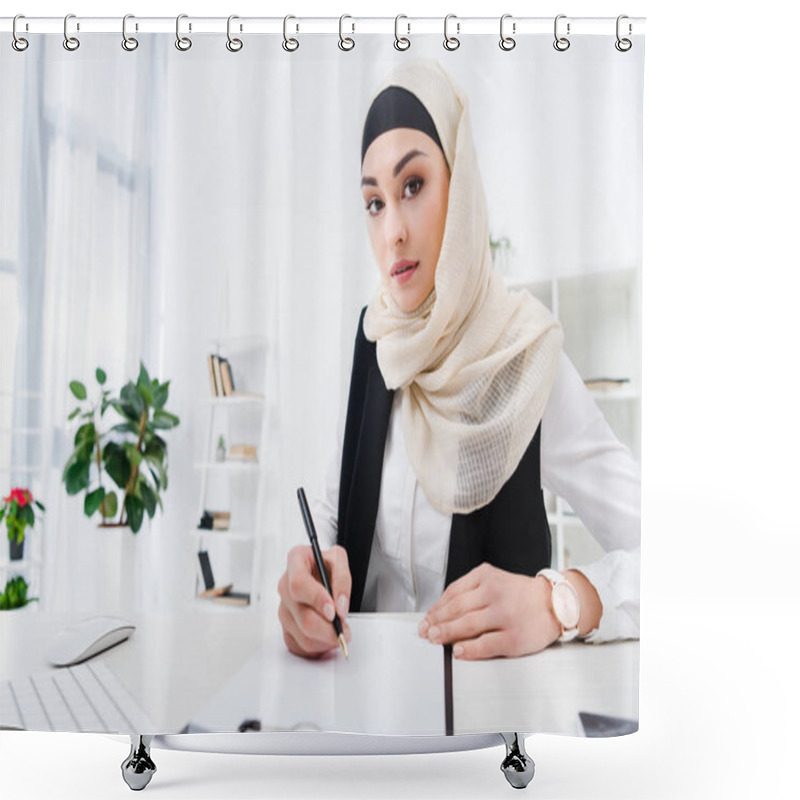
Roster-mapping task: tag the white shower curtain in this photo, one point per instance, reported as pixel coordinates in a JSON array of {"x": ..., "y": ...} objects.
[{"x": 170, "y": 205}]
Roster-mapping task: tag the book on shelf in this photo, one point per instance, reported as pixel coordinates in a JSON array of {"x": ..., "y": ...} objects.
[
  {"x": 242, "y": 452},
  {"x": 222, "y": 594},
  {"x": 604, "y": 384},
  {"x": 215, "y": 521},
  {"x": 211, "y": 375},
  {"x": 227, "y": 377}
]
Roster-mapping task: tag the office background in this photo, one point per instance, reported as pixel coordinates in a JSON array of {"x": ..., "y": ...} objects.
[{"x": 719, "y": 474}]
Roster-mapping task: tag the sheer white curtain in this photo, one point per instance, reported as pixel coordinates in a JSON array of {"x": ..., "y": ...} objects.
[{"x": 80, "y": 206}]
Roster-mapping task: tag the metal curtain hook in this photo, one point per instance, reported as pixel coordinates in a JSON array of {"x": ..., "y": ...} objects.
[
  {"x": 290, "y": 45},
  {"x": 128, "y": 42},
  {"x": 234, "y": 45},
  {"x": 182, "y": 42},
  {"x": 561, "y": 43},
  {"x": 451, "y": 42},
  {"x": 401, "y": 43},
  {"x": 346, "y": 43},
  {"x": 507, "y": 42},
  {"x": 18, "y": 43},
  {"x": 623, "y": 45},
  {"x": 70, "y": 42}
]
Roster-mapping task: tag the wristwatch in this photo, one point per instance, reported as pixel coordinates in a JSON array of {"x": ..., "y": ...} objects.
[{"x": 566, "y": 604}]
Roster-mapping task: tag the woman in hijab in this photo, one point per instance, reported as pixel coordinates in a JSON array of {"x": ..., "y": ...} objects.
[{"x": 462, "y": 405}]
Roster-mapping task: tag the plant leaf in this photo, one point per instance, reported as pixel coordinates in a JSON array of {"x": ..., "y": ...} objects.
[
  {"x": 117, "y": 465},
  {"x": 134, "y": 508},
  {"x": 132, "y": 402},
  {"x": 149, "y": 497},
  {"x": 163, "y": 420},
  {"x": 161, "y": 395},
  {"x": 100, "y": 375},
  {"x": 93, "y": 501},
  {"x": 76, "y": 475},
  {"x": 127, "y": 427},
  {"x": 78, "y": 389},
  {"x": 108, "y": 508},
  {"x": 74, "y": 414}
]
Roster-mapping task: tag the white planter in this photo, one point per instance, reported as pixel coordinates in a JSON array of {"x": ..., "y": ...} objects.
[{"x": 116, "y": 568}]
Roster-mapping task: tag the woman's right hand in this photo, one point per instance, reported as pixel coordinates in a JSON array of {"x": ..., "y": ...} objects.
[{"x": 306, "y": 610}]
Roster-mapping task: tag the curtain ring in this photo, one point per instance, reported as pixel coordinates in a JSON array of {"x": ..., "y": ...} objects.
[
  {"x": 234, "y": 45},
  {"x": 182, "y": 42},
  {"x": 507, "y": 42},
  {"x": 623, "y": 45},
  {"x": 18, "y": 43},
  {"x": 346, "y": 43},
  {"x": 289, "y": 45},
  {"x": 401, "y": 43},
  {"x": 70, "y": 42},
  {"x": 451, "y": 42},
  {"x": 128, "y": 42},
  {"x": 561, "y": 43}
]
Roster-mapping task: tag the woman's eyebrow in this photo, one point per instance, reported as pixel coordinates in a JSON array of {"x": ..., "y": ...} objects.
[{"x": 368, "y": 181}]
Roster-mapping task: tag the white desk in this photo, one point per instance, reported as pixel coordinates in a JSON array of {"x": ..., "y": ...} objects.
[{"x": 173, "y": 665}]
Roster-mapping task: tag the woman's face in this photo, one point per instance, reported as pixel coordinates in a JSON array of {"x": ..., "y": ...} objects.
[{"x": 405, "y": 183}]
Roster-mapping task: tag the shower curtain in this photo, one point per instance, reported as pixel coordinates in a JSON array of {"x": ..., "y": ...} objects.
[{"x": 188, "y": 243}]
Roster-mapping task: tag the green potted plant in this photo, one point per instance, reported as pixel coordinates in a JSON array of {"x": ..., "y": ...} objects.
[
  {"x": 18, "y": 512},
  {"x": 129, "y": 456},
  {"x": 15, "y": 595}
]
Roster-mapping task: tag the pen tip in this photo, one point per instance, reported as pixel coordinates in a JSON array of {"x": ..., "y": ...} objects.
[{"x": 343, "y": 645}]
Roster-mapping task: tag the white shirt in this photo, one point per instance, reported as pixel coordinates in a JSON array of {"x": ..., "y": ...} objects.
[{"x": 581, "y": 461}]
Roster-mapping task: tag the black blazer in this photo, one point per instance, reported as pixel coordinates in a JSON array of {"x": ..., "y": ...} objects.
[{"x": 510, "y": 532}]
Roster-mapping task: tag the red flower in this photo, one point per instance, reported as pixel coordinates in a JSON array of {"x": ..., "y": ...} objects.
[{"x": 22, "y": 496}]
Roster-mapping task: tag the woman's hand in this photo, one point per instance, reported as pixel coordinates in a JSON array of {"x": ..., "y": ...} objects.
[
  {"x": 490, "y": 612},
  {"x": 306, "y": 610}
]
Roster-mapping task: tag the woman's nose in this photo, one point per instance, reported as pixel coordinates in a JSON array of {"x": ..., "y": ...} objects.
[{"x": 394, "y": 225}]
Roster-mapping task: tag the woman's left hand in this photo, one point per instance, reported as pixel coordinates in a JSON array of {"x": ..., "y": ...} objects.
[{"x": 490, "y": 612}]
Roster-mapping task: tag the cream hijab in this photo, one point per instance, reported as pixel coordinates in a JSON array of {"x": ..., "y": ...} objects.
[{"x": 475, "y": 362}]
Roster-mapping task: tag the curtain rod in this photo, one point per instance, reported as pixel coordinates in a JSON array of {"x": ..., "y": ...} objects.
[{"x": 461, "y": 26}]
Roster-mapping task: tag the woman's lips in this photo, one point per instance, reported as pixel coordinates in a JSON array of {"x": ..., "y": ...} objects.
[{"x": 403, "y": 270}]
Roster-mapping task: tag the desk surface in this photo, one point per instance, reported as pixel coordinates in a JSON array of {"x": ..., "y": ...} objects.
[{"x": 174, "y": 664}]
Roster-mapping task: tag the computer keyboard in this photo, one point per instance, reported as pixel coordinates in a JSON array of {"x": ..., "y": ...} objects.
[{"x": 87, "y": 697}]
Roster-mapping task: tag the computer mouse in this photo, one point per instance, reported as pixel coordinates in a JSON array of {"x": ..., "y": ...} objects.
[{"x": 87, "y": 638}]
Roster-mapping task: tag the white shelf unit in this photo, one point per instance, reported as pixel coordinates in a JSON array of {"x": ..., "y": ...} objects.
[
  {"x": 600, "y": 313},
  {"x": 233, "y": 485}
]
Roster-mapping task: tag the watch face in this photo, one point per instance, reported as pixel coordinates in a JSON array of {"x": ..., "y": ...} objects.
[{"x": 566, "y": 605}]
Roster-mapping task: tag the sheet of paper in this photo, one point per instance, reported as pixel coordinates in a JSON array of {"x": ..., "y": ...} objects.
[{"x": 393, "y": 683}]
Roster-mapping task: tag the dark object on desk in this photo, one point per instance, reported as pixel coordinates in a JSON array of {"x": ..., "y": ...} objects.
[
  {"x": 312, "y": 535},
  {"x": 599, "y": 726},
  {"x": 215, "y": 520},
  {"x": 250, "y": 725},
  {"x": 222, "y": 594}
]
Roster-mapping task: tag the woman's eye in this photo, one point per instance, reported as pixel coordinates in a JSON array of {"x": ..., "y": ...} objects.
[
  {"x": 374, "y": 206},
  {"x": 412, "y": 187}
]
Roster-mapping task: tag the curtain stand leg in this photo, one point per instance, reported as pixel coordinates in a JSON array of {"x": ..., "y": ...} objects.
[
  {"x": 138, "y": 768},
  {"x": 518, "y": 766}
]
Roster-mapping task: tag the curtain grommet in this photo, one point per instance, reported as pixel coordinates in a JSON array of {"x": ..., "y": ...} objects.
[
  {"x": 346, "y": 43},
  {"x": 507, "y": 42},
  {"x": 234, "y": 45},
  {"x": 623, "y": 44},
  {"x": 561, "y": 43},
  {"x": 289, "y": 44},
  {"x": 70, "y": 43},
  {"x": 451, "y": 42},
  {"x": 19, "y": 43},
  {"x": 129, "y": 43},
  {"x": 183, "y": 43},
  {"x": 401, "y": 42}
]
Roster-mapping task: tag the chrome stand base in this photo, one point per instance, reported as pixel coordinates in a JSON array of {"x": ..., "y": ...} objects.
[
  {"x": 518, "y": 766},
  {"x": 138, "y": 768}
]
